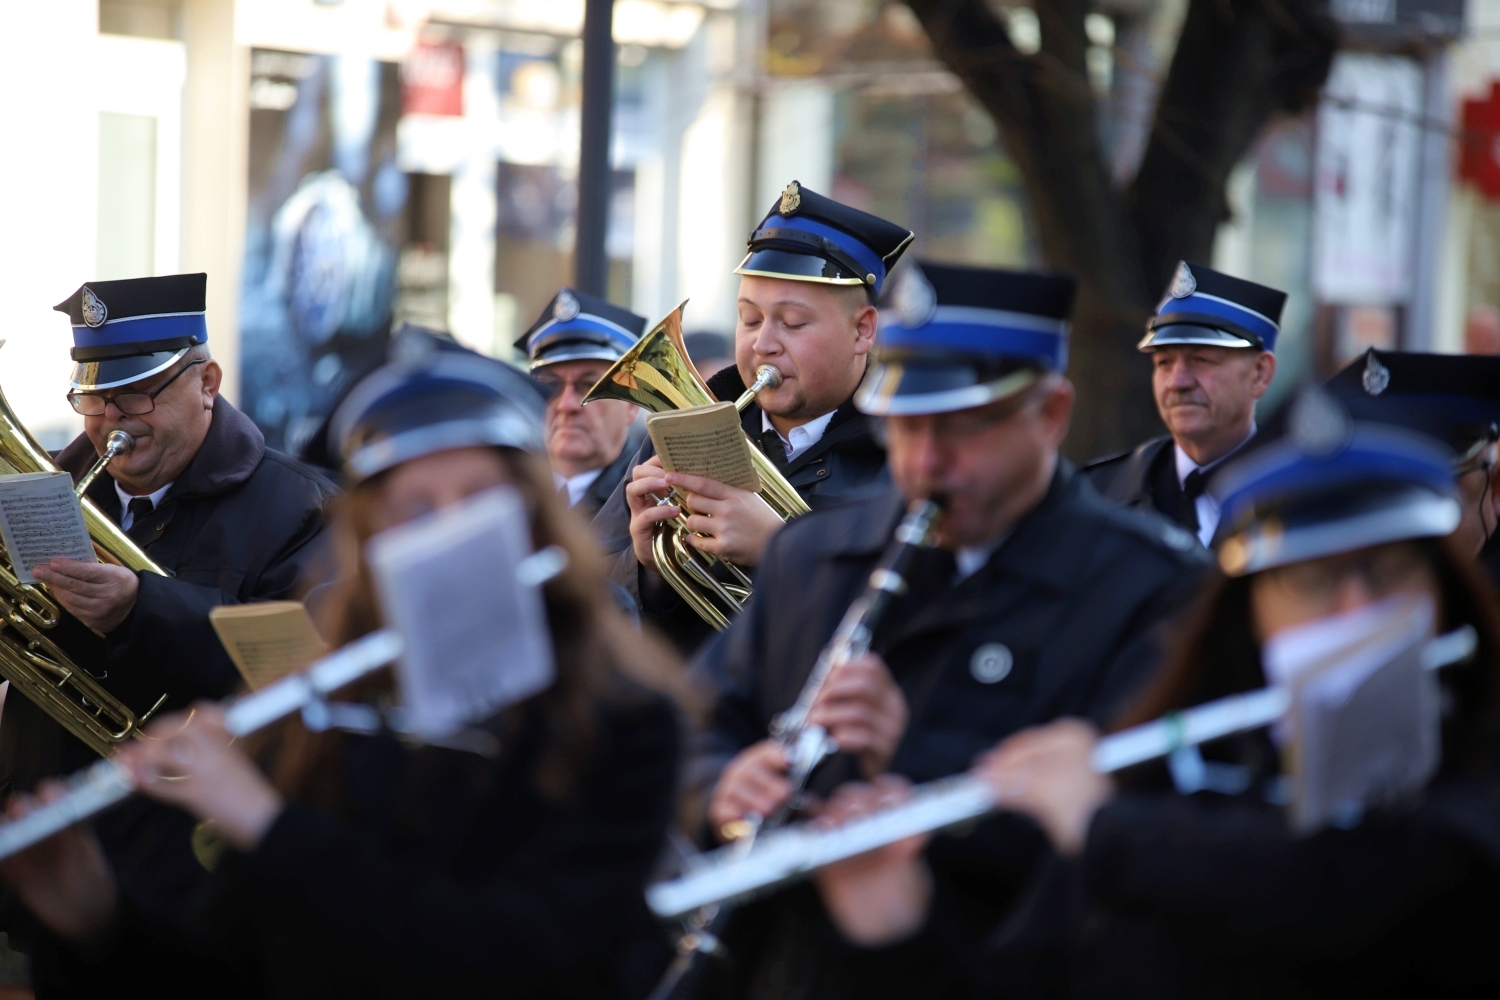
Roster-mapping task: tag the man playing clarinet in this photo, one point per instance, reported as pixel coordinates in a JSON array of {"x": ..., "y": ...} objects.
[{"x": 1039, "y": 600}]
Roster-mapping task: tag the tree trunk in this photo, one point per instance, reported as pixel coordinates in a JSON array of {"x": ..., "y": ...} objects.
[{"x": 1236, "y": 64}]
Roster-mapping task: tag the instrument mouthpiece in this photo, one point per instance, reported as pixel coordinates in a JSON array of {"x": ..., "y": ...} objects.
[
  {"x": 119, "y": 442},
  {"x": 767, "y": 377}
]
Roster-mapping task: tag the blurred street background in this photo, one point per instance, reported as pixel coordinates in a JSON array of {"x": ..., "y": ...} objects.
[{"x": 335, "y": 166}]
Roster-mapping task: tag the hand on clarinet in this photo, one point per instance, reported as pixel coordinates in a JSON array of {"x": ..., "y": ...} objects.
[
  {"x": 187, "y": 760},
  {"x": 65, "y": 880},
  {"x": 883, "y": 895},
  {"x": 862, "y": 708},
  {"x": 1046, "y": 773},
  {"x": 754, "y": 783}
]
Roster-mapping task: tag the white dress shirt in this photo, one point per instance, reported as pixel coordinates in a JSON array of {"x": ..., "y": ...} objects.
[
  {"x": 802, "y": 437},
  {"x": 127, "y": 519},
  {"x": 577, "y": 485}
]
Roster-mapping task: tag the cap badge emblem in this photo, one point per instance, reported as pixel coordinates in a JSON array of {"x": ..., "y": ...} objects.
[
  {"x": 1183, "y": 282},
  {"x": 791, "y": 199},
  {"x": 94, "y": 310},
  {"x": 1377, "y": 377},
  {"x": 566, "y": 306},
  {"x": 913, "y": 299},
  {"x": 1317, "y": 424}
]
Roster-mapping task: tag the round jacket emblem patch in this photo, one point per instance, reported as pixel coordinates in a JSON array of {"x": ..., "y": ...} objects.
[{"x": 991, "y": 663}]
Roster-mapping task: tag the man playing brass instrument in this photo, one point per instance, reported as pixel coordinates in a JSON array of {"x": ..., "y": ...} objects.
[
  {"x": 806, "y": 306},
  {"x": 230, "y": 521}
]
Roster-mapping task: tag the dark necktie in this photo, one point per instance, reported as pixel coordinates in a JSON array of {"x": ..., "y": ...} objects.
[
  {"x": 1192, "y": 488},
  {"x": 139, "y": 508},
  {"x": 770, "y": 443}
]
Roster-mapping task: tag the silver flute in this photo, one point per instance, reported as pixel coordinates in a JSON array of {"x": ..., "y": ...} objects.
[
  {"x": 794, "y": 852},
  {"x": 106, "y": 783}
]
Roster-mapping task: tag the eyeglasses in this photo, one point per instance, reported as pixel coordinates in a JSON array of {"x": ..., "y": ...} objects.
[
  {"x": 553, "y": 386},
  {"x": 134, "y": 404}
]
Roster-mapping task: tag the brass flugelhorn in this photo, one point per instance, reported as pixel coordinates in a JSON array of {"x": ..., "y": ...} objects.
[
  {"x": 35, "y": 665},
  {"x": 657, "y": 375}
]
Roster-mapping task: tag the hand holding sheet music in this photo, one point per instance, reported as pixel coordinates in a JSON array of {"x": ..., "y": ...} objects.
[{"x": 41, "y": 520}]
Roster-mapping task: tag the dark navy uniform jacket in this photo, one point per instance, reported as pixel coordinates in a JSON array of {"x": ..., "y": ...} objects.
[
  {"x": 1062, "y": 620},
  {"x": 1144, "y": 477},
  {"x": 846, "y": 462},
  {"x": 602, "y": 488},
  {"x": 241, "y": 523}
]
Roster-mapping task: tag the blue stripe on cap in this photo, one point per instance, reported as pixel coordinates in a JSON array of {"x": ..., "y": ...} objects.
[
  {"x": 1387, "y": 453},
  {"x": 1211, "y": 305},
  {"x": 863, "y": 255},
  {"x": 984, "y": 331},
  {"x": 583, "y": 322},
  {"x": 143, "y": 329}
]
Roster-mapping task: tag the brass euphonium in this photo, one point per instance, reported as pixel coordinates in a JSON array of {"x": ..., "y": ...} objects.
[
  {"x": 35, "y": 665},
  {"x": 656, "y": 374}
]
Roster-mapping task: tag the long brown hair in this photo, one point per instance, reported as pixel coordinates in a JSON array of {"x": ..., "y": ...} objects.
[
  {"x": 600, "y": 656},
  {"x": 1218, "y": 654}
]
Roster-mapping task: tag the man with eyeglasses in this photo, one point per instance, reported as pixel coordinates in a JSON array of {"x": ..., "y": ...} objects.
[
  {"x": 571, "y": 345},
  {"x": 229, "y": 520}
]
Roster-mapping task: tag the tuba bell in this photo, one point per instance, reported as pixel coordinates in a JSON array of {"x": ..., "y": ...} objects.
[
  {"x": 657, "y": 375},
  {"x": 36, "y": 666}
]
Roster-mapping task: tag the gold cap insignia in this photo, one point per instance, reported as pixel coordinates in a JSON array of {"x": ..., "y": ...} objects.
[{"x": 791, "y": 199}]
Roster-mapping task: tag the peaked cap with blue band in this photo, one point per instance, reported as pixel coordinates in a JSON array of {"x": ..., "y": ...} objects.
[
  {"x": 577, "y": 326},
  {"x": 955, "y": 337},
  {"x": 807, "y": 237},
  {"x": 124, "y": 331},
  {"x": 433, "y": 395},
  {"x": 1204, "y": 306},
  {"x": 1453, "y": 397},
  {"x": 1319, "y": 482}
]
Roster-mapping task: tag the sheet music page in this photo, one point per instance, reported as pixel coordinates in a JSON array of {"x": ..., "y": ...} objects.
[
  {"x": 477, "y": 638},
  {"x": 41, "y": 519},
  {"x": 267, "y": 640},
  {"x": 705, "y": 441},
  {"x": 1365, "y": 719}
]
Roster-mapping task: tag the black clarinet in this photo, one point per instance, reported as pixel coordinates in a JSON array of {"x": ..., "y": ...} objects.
[{"x": 806, "y": 745}]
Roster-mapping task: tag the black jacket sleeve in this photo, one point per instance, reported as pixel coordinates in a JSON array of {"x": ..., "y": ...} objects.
[{"x": 554, "y": 900}]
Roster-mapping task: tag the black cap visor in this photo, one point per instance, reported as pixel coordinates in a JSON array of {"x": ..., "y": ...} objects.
[
  {"x": 1192, "y": 333},
  {"x": 113, "y": 372},
  {"x": 772, "y": 262},
  {"x": 906, "y": 384}
]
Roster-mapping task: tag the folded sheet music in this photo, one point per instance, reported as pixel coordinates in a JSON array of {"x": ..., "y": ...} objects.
[
  {"x": 268, "y": 639},
  {"x": 41, "y": 519},
  {"x": 1365, "y": 726},
  {"x": 477, "y": 637},
  {"x": 705, "y": 441}
]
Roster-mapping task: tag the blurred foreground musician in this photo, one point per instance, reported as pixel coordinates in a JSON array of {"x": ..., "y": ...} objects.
[
  {"x": 1331, "y": 528},
  {"x": 1042, "y": 600},
  {"x": 1456, "y": 399},
  {"x": 806, "y": 305},
  {"x": 203, "y": 496},
  {"x": 1212, "y": 346},
  {"x": 571, "y": 346},
  {"x": 370, "y": 865}
]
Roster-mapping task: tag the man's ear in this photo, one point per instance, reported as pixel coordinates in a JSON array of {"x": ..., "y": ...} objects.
[
  {"x": 1057, "y": 410},
  {"x": 1265, "y": 371},
  {"x": 866, "y": 325},
  {"x": 213, "y": 377}
]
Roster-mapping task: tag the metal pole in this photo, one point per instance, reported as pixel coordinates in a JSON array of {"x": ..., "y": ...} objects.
[{"x": 591, "y": 268}]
